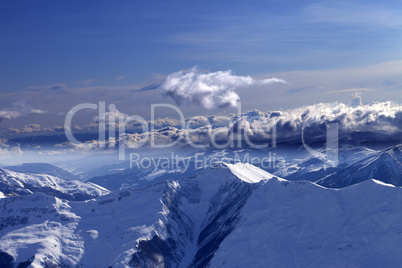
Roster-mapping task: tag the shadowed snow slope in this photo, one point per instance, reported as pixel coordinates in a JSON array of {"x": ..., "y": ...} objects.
[
  {"x": 297, "y": 224},
  {"x": 238, "y": 216},
  {"x": 385, "y": 166}
]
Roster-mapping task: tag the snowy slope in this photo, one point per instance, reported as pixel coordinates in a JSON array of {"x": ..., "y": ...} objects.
[
  {"x": 298, "y": 224},
  {"x": 38, "y": 229},
  {"x": 234, "y": 216},
  {"x": 313, "y": 168},
  {"x": 50, "y": 231},
  {"x": 14, "y": 183},
  {"x": 385, "y": 166}
]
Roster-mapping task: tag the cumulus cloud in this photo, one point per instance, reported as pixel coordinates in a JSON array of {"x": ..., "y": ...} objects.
[
  {"x": 20, "y": 108},
  {"x": 380, "y": 121},
  {"x": 208, "y": 90}
]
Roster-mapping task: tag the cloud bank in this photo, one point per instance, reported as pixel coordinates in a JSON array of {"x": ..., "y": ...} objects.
[
  {"x": 208, "y": 90},
  {"x": 376, "y": 122}
]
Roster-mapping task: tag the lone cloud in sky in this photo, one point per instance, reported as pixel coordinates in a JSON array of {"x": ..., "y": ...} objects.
[{"x": 208, "y": 90}]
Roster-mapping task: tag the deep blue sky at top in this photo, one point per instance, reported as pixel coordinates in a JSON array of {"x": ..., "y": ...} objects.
[{"x": 48, "y": 42}]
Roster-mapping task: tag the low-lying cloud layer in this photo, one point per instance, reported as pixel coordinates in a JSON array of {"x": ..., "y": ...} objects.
[
  {"x": 376, "y": 122},
  {"x": 208, "y": 90}
]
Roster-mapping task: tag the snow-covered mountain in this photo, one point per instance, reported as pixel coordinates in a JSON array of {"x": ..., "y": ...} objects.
[
  {"x": 233, "y": 216},
  {"x": 182, "y": 166},
  {"x": 385, "y": 166},
  {"x": 15, "y": 183},
  {"x": 43, "y": 168},
  {"x": 298, "y": 224}
]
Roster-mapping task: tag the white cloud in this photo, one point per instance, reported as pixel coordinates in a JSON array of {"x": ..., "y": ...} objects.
[
  {"x": 376, "y": 122},
  {"x": 112, "y": 113},
  {"x": 5, "y": 148},
  {"x": 9, "y": 114},
  {"x": 26, "y": 129},
  {"x": 59, "y": 87},
  {"x": 20, "y": 108},
  {"x": 380, "y": 121},
  {"x": 208, "y": 90}
]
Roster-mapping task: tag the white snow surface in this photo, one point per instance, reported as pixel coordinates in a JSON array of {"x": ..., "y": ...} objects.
[{"x": 249, "y": 173}]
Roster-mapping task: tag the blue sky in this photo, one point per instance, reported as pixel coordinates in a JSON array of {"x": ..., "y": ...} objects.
[
  {"x": 48, "y": 42},
  {"x": 57, "y": 54}
]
